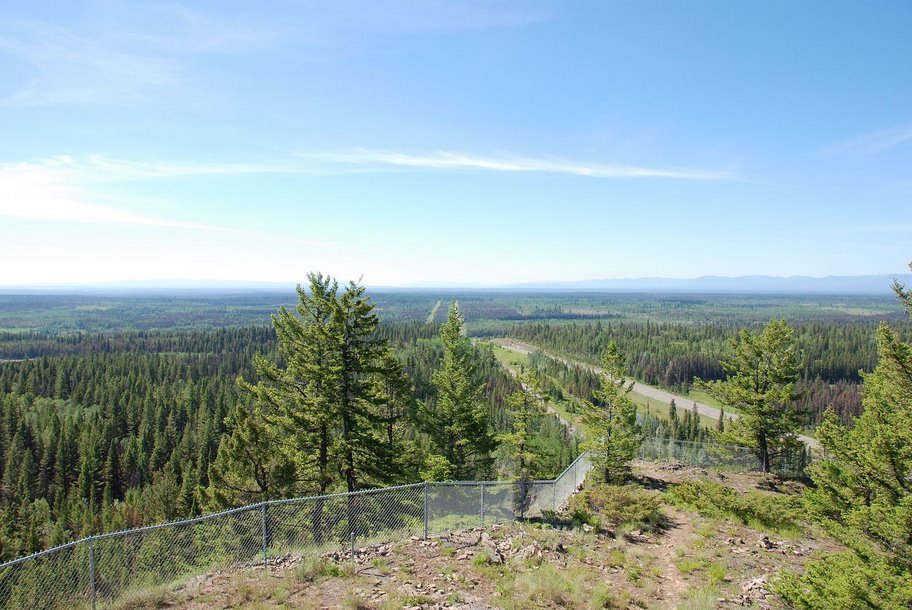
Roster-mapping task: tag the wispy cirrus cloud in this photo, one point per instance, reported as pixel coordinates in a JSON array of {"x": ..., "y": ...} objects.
[
  {"x": 450, "y": 160},
  {"x": 102, "y": 168},
  {"x": 64, "y": 67},
  {"x": 47, "y": 192},
  {"x": 93, "y": 169},
  {"x": 51, "y": 191},
  {"x": 876, "y": 141},
  {"x": 105, "y": 168}
]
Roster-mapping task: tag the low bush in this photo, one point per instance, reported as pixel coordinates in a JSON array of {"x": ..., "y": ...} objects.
[
  {"x": 611, "y": 506},
  {"x": 844, "y": 580},
  {"x": 759, "y": 510}
]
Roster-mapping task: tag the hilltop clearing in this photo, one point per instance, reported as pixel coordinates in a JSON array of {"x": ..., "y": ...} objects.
[{"x": 679, "y": 538}]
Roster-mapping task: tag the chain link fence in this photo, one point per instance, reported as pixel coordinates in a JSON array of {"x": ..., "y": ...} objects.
[
  {"x": 732, "y": 458},
  {"x": 102, "y": 571}
]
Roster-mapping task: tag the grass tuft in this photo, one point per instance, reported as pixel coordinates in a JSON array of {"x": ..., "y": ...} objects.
[{"x": 314, "y": 567}]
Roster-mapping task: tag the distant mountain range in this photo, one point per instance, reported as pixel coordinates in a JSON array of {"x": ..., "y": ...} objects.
[
  {"x": 832, "y": 284},
  {"x": 797, "y": 284}
]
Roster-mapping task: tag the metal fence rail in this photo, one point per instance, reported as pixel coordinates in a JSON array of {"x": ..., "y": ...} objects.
[
  {"x": 721, "y": 457},
  {"x": 99, "y": 571}
]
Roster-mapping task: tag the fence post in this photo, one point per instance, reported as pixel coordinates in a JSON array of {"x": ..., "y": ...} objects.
[
  {"x": 523, "y": 498},
  {"x": 426, "y": 485},
  {"x": 92, "y": 569},
  {"x": 265, "y": 538},
  {"x": 352, "y": 536},
  {"x": 482, "y": 503}
]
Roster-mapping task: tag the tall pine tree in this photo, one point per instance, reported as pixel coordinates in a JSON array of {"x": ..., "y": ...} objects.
[
  {"x": 328, "y": 414},
  {"x": 611, "y": 417},
  {"x": 762, "y": 372},
  {"x": 458, "y": 422},
  {"x": 525, "y": 408}
]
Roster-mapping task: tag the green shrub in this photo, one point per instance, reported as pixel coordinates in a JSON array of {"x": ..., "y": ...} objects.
[
  {"x": 615, "y": 558},
  {"x": 700, "y": 598},
  {"x": 717, "y": 573},
  {"x": 603, "y": 597},
  {"x": 545, "y": 587},
  {"x": 759, "y": 510},
  {"x": 143, "y": 599},
  {"x": 611, "y": 506},
  {"x": 844, "y": 580}
]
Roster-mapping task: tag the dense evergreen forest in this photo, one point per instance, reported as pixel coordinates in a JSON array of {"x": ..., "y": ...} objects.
[{"x": 108, "y": 431}]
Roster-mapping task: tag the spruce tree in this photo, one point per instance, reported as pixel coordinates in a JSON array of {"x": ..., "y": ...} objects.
[
  {"x": 396, "y": 411},
  {"x": 332, "y": 407},
  {"x": 525, "y": 408},
  {"x": 249, "y": 467},
  {"x": 458, "y": 422},
  {"x": 762, "y": 370},
  {"x": 362, "y": 376},
  {"x": 304, "y": 393},
  {"x": 611, "y": 417}
]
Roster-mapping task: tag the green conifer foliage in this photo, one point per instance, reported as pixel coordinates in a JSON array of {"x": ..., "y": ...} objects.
[
  {"x": 458, "y": 422},
  {"x": 612, "y": 419},
  {"x": 368, "y": 458},
  {"x": 524, "y": 405},
  {"x": 863, "y": 492},
  {"x": 762, "y": 371},
  {"x": 248, "y": 467},
  {"x": 329, "y": 413}
]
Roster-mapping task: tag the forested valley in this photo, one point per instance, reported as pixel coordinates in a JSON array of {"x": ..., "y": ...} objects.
[
  {"x": 110, "y": 431},
  {"x": 109, "y": 428}
]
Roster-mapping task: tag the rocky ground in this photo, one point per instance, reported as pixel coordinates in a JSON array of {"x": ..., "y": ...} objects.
[{"x": 693, "y": 562}]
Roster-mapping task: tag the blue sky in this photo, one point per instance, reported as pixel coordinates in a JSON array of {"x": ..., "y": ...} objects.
[{"x": 482, "y": 142}]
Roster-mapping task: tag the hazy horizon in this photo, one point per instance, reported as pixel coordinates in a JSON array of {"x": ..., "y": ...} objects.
[{"x": 872, "y": 284}]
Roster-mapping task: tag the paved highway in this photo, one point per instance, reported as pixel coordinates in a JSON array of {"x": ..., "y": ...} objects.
[{"x": 640, "y": 388}]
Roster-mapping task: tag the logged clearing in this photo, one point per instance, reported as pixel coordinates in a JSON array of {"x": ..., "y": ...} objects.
[{"x": 688, "y": 557}]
